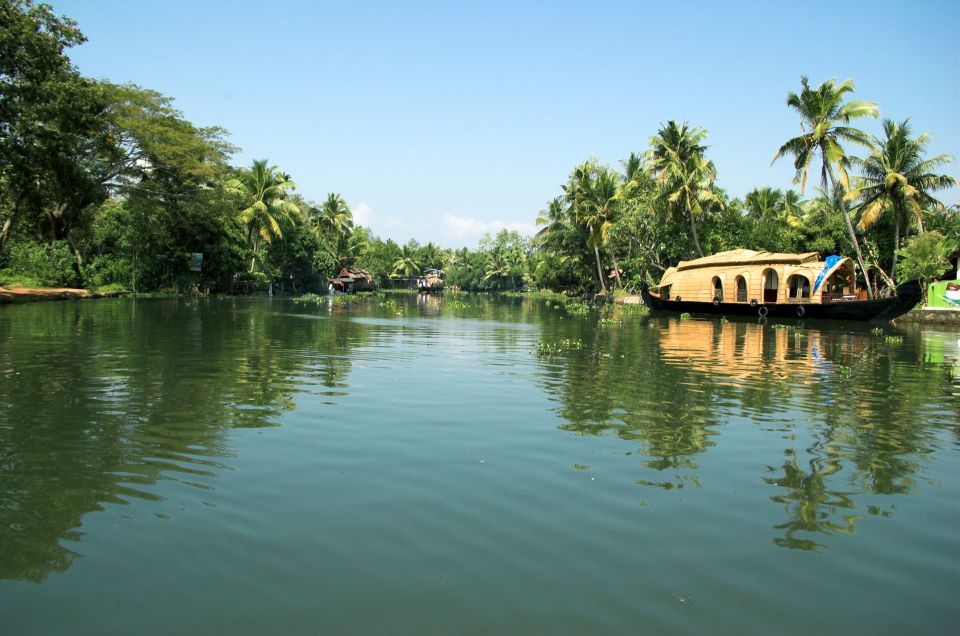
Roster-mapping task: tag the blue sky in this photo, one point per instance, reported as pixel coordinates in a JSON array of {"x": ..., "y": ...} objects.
[{"x": 443, "y": 120}]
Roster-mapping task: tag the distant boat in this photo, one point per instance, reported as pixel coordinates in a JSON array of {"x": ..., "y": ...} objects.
[
  {"x": 745, "y": 282},
  {"x": 431, "y": 281}
]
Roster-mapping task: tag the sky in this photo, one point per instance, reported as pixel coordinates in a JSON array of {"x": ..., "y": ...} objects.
[{"x": 442, "y": 121}]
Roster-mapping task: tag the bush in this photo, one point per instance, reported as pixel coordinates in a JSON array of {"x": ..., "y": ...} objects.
[
  {"x": 49, "y": 266},
  {"x": 925, "y": 257},
  {"x": 103, "y": 271}
]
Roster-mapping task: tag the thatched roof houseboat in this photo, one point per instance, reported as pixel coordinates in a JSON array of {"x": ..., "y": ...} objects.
[
  {"x": 766, "y": 283},
  {"x": 431, "y": 281}
]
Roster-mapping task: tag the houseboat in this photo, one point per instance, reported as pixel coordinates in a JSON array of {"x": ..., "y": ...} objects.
[
  {"x": 430, "y": 282},
  {"x": 745, "y": 282}
]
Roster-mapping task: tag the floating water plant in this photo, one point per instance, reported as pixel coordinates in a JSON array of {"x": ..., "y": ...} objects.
[
  {"x": 561, "y": 346},
  {"x": 309, "y": 299}
]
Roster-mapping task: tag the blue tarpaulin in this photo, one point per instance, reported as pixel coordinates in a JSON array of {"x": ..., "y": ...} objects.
[{"x": 827, "y": 266}]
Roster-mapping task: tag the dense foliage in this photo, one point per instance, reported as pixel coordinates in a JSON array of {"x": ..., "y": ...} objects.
[{"x": 105, "y": 185}]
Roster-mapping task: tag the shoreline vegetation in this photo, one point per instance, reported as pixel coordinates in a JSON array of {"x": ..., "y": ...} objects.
[
  {"x": 107, "y": 187},
  {"x": 607, "y": 306}
]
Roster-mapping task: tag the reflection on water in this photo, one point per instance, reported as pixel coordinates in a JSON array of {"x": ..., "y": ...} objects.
[
  {"x": 100, "y": 400},
  {"x": 851, "y": 406},
  {"x": 405, "y": 449}
]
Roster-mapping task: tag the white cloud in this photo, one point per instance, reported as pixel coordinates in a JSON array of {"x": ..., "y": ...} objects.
[
  {"x": 462, "y": 228},
  {"x": 362, "y": 214}
]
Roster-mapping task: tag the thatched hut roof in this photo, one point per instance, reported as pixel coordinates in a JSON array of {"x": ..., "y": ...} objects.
[{"x": 355, "y": 273}]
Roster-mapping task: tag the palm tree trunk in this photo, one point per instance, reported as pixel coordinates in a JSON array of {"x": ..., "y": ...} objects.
[
  {"x": 846, "y": 217},
  {"x": 696, "y": 239},
  {"x": 896, "y": 246},
  {"x": 76, "y": 254},
  {"x": 5, "y": 233},
  {"x": 254, "y": 240},
  {"x": 596, "y": 252},
  {"x": 616, "y": 268}
]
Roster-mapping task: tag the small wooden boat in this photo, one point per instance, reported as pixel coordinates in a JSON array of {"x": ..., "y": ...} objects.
[{"x": 745, "y": 282}]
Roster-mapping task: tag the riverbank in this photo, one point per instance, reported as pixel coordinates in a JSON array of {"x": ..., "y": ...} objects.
[
  {"x": 931, "y": 316},
  {"x": 30, "y": 294}
]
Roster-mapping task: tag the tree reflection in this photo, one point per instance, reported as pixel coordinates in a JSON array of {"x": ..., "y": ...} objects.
[
  {"x": 810, "y": 505},
  {"x": 99, "y": 400},
  {"x": 869, "y": 404}
]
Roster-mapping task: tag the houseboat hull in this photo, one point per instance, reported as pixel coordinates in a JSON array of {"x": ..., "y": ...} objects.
[{"x": 878, "y": 310}]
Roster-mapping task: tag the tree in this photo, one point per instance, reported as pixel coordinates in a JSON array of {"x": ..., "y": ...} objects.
[
  {"x": 925, "y": 257},
  {"x": 169, "y": 176},
  {"x": 263, "y": 191},
  {"x": 793, "y": 207},
  {"x": 335, "y": 221},
  {"x": 563, "y": 246},
  {"x": 897, "y": 180},
  {"x": 822, "y": 111},
  {"x": 764, "y": 203},
  {"x": 49, "y": 120},
  {"x": 406, "y": 265},
  {"x": 334, "y": 215},
  {"x": 822, "y": 226},
  {"x": 505, "y": 260},
  {"x": 596, "y": 197},
  {"x": 154, "y": 150},
  {"x": 684, "y": 176},
  {"x": 378, "y": 256},
  {"x": 647, "y": 241}
]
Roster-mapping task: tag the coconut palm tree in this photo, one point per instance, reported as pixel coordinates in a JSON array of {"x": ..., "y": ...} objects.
[
  {"x": 764, "y": 203},
  {"x": 263, "y": 190},
  {"x": 684, "y": 176},
  {"x": 553, "y": 218},
  {"x": 406, "y": 265},
  {"x": 897, "y": 180},
  {"x": 560, "y": 238},
  {"x": 334, "y": 219},
  {"x": 598, "y": 191},
  {"x": 823, "y": 118},
  {"x": 334, "y": 216},
  {"x": 794, "y": 207}
]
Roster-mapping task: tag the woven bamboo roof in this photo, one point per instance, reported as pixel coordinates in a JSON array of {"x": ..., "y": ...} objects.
[{"x": 748, "y": 257}]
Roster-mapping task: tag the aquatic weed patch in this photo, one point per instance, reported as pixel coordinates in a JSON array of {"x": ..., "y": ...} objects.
[
  {"x": 783, "y": 327},
  {"x": 561, "y": 346},
  {"x": 309, "y": 299}
]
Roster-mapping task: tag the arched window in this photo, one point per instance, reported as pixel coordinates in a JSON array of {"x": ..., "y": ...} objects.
[
  {"x": 741, "y": 289},
  {"x": 717, "y": 289},
  {"x": 799, "y": 287},
  {"x": 771, "y": 285}
]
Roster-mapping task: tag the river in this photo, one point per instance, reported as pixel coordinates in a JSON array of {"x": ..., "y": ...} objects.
[{"x": 471, "y": 465}]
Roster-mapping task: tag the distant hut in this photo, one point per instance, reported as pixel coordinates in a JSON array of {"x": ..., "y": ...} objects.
[
  {"x": 431, "y": 281},
  {"x": 352, "y": 279}
]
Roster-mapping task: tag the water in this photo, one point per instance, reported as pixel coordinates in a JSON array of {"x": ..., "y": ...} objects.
[{"x": 410, "y": 467}]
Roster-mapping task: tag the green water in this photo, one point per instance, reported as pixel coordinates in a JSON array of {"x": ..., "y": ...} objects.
[{"x": 397, "y": 466}]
